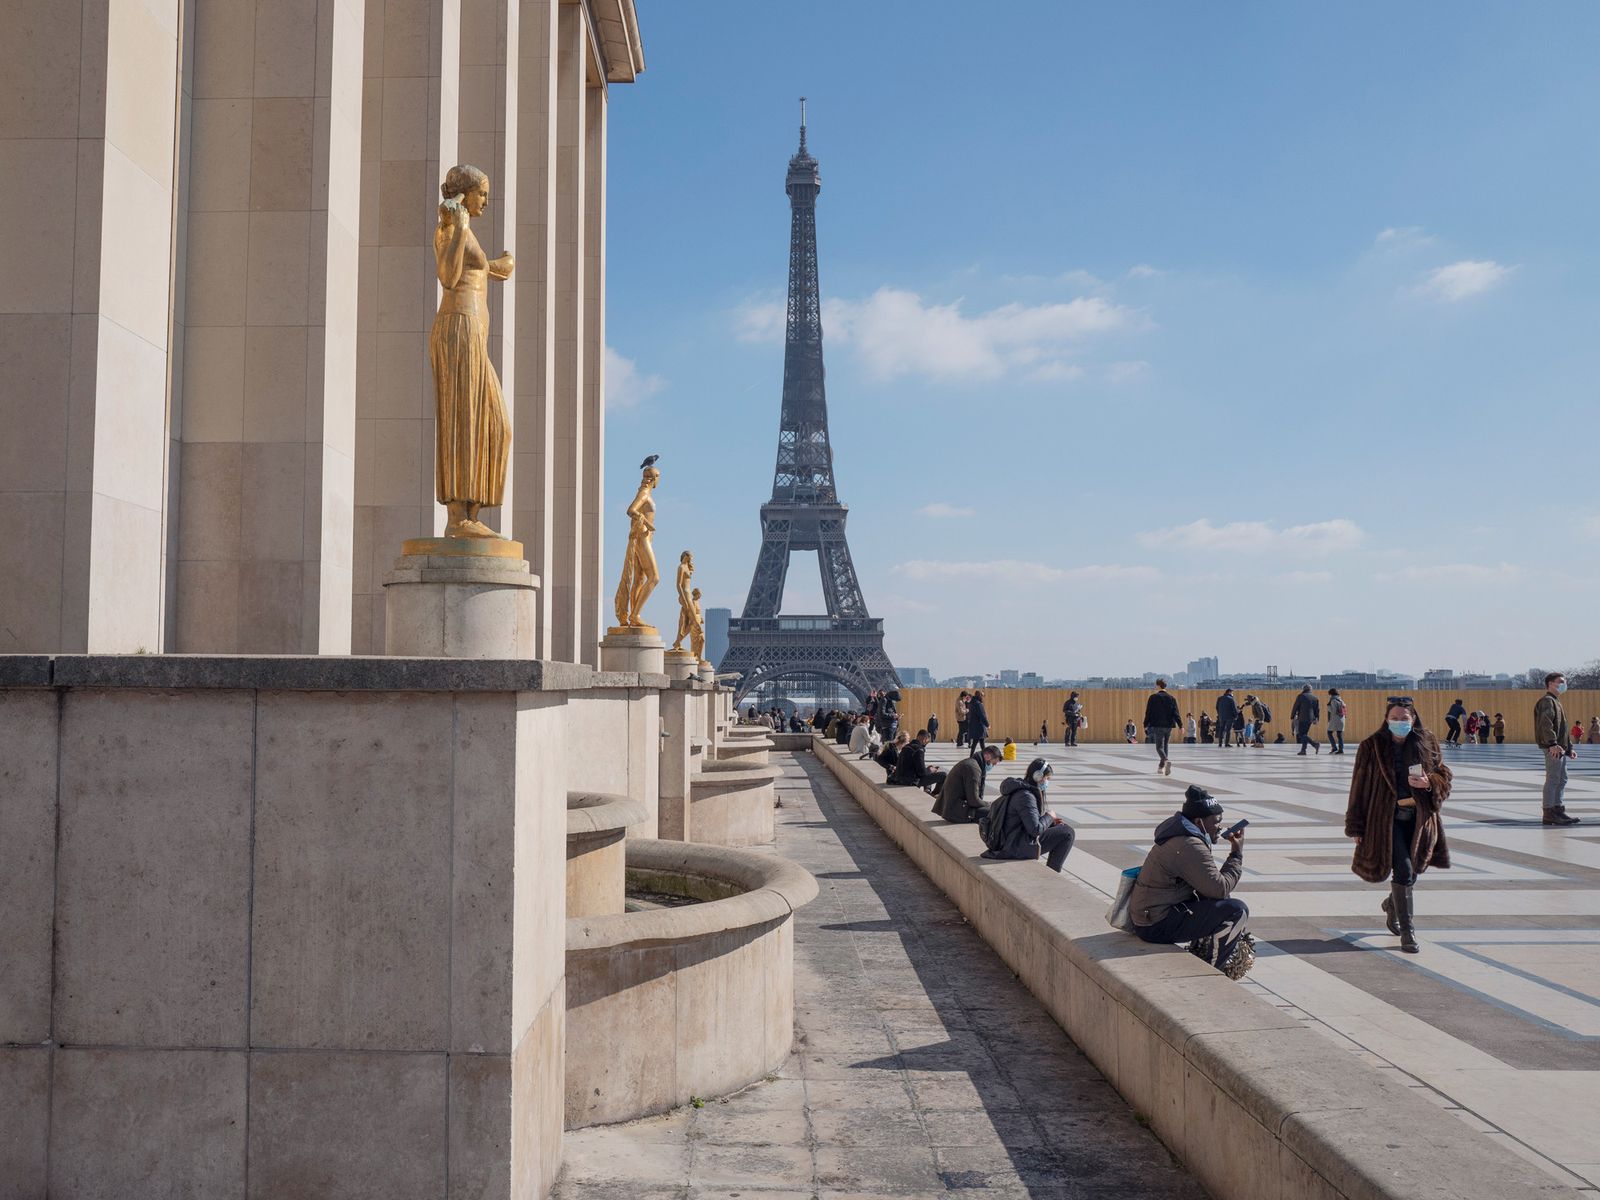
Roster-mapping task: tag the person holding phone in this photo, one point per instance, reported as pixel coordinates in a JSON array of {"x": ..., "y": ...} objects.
[
  {"x": 1398, "y": 787},
  {"x": 1181, "y": 894}
]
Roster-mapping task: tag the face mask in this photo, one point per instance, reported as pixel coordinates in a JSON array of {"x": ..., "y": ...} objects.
[
  {"x": 1561, "y": 687},
  {"x": 1400, "y": 728},
  {"x": 1044, "y": 784}
]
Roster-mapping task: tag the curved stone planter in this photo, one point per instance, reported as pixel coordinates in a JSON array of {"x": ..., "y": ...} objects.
[
  {"x": 748, "y": 746},
  {"x": 730, "y": 804},
  {"x": 597, "y": 823},
  {"x": 671, "y": 1003}
]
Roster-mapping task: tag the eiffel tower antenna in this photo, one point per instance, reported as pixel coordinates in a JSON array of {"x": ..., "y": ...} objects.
[{"x": 845, "y": 645}]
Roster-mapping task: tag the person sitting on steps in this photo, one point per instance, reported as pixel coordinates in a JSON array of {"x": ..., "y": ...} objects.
[
  {"x": 1027, "y": 828},
  {"x": 911, "y": 767}
]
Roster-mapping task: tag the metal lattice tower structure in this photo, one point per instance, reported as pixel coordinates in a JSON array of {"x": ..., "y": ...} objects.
[{"x": 845, "y": 644}]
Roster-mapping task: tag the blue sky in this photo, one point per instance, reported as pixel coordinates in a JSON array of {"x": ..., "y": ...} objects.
[{"x": 1153, "y": 330}]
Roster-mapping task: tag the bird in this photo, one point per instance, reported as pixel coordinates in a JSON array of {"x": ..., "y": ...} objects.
[{"x": 649, "y": 462}]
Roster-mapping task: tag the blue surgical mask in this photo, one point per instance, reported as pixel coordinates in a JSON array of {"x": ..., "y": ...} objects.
[
  {"x": 1561, "y": 687},
  {"x": 1400, "y": 728}
]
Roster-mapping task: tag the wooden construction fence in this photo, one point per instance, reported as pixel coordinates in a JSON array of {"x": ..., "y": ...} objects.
[{"x": 1016, "y": 712}]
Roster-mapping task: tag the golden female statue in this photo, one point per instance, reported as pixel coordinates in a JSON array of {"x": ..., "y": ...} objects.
[
  {"x": 473, "y": 433},
  {"x": 697, "y": 634},
  {"x": 639, "y": 573},
  {"x": 685, "y": 601}
]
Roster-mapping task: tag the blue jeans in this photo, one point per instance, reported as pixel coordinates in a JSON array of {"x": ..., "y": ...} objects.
[{"x": 1224, "y": 919}]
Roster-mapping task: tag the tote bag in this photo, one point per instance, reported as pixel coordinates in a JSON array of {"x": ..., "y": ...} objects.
[{"x": 1120, "y": 914}]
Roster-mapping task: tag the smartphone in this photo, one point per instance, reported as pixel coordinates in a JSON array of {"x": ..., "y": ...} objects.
[{"x": 1235, "y": 827}]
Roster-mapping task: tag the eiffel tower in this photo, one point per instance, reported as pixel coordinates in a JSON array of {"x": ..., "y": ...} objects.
[{"x": 846, "y": 644}]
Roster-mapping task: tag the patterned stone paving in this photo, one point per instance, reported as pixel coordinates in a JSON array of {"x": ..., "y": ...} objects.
[
  {"x": 1498, "y": 1019},
  {"x": 922, "y": 1066}
]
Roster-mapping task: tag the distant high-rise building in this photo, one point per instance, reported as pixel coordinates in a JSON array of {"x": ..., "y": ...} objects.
[
  {"x": 1204, "y": 669},
  {"x": 1031, "y": 679},
  {"x": 915, "y": 676},
  {"x": 717, "y": 633},
  {"x": 1010, "y": 678}
]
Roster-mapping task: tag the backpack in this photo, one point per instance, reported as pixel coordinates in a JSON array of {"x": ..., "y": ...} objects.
[
  {"x": 993, "y": 822},
  {"x": 1266, "y": 713}
]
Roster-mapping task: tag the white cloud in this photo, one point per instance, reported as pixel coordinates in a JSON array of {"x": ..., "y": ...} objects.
[
  {"x": 1127, "y": 372},
  {"x": 626, "y": 385},
  {"x": 1055, "y": 372},
  {"x": 1305, "y": 578},
  {"x": 940, "y": 509},
  {"x": 1460, "y": 280},
  {"x": 1035, "y": 572},
  {"x": 895, "y": 332},
  {"x": 1402, "y": 237},
  {"x": 760, "y": 320},
  {"x": 1259, "y": 537},
  {"x": 1144, "y": 271},
  {"x": 1454, "y": 573}
]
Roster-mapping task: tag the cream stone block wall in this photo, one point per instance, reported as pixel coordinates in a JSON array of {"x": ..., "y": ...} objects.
[
  {"x": 85, "y": 304},
  {"x": 409, "y": 127},
  {"x": 530, "y": 398},
  {"x": 265, "y": 475},
  {"x": 342, "y": 910}
]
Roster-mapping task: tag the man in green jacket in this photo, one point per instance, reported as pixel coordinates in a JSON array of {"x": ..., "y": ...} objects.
[{"x": 1554, "y": 735}]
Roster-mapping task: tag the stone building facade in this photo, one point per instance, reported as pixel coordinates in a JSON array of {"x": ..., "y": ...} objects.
[{"x": 216, "y": 415}]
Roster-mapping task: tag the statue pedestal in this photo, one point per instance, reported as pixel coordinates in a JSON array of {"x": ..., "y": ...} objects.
[
  {"x": 460, "y": 598},
  {"x": 632, "y": 648},
  {"x": 681, "y": 665}
]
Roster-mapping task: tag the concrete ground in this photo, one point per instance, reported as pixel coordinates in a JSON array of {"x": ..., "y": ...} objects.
[
  {"x": 922, "y": 1066},
  {"x": 1498, "y": 1019}
]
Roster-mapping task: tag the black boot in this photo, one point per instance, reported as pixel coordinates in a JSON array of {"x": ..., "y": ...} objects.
[
  {"x": 1391, "y": 909},
  {"x": 1408, "y": 929}
]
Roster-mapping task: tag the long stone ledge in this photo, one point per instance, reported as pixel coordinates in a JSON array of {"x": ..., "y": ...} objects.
[
  {"x": 1256, "y": 1104},
  {"x": 602, "y": 812},
  {"x": 310, "y": 673}
]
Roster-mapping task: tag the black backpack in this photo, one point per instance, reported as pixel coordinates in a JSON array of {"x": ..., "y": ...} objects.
[
  {"x": 1266, "y": 713},
  {"x": 992, "y": 823}
]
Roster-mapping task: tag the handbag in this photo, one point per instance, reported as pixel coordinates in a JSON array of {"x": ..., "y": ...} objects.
[{"x": 1120, "y": 914}]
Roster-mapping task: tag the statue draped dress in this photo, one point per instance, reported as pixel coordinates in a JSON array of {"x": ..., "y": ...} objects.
[{"x": 474, "y": 435}]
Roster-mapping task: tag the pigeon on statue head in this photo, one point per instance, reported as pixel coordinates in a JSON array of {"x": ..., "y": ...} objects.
[{"x": 649, "y": 462}]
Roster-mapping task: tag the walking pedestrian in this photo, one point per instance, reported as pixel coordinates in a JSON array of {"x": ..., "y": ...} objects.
[
  {"x": 1594, "y": 731},
  {"x": 1072, "y": 714},
  {"x": 1398, "y": 788},
  {"x": 1044, "y": 733},
  {"x": 963, "y": 703},
  {"x": 1227, "y": 716},
  {"x": 1191, "y": 731},
  {"x": 1499, "y": 729},
  {"x": 1160, "y": 719},
  {"x": 1205, "y": 728},
  {"x": 1472, "y": 727},
  {"x": 1303, "y": 718},
  {"x": 1555, "y": 739},
  {"x": 1452, "y": 723},
  {"x": 1336, "y": 712},
  {"x": 1260, "y": 717},
  {"x": 977, "y": 723},
  {"x": 933, "y": 726}
]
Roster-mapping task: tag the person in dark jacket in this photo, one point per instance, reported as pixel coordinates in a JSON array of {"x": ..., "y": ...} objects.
[
  {"x": 1304, "y": 717},
  {"x": 961, "y": 797},
  {"x": 889, "y": 756},
  {"x": 1452, "y": 723},
  {"x": 933, "y": 727},
  {"x": 977, "y": 723},
  {"x": 1397, "y": 790},
  {"x": 1071, "y": 713},
  {"x": 1027, "y": 827},
  {"x": 1227, "y": 717},
  {"x": 1182, "y": 896},
  {"x": 911, "y": 768},
  {"x": 1160, "y": 719}
]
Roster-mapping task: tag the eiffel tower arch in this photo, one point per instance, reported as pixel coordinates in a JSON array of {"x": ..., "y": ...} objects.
[{"x": 845, "y": 644}]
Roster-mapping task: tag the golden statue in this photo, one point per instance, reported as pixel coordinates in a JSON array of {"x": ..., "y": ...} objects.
[
  {"x": 473, "y": 432},
  {"x": 639, "y": 573},
  {"x": 685, "y": 601},
  {"x": 697, "y": 634}
]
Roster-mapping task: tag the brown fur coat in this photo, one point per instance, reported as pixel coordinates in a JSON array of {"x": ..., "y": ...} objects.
[{"x": 1370, "y": 814}]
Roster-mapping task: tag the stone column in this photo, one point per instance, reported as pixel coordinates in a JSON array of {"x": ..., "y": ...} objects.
[
  {"x": 267, "y": 469},
  {"x": 566, "y": 584},
  {"x": 591, "y": 446},
  {"x": 88, "y": 117},
  {"x": 677, "y": 748},
  {"x": 408, "y": 140},
  {"x": 531, "y": 481}
]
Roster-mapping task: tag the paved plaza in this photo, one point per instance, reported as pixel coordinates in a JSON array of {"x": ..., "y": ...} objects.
[
  {"x": 922, "y": 1066},
  {"x": 1498, "y": 1018}
]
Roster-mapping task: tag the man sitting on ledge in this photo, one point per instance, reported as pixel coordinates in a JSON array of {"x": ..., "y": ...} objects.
[
  {"x": 1020, "y": 826},
  {"x": 1181, "y": 896},
  {"x": 911, "y": 768},
  {"x": 961, "y": 797}
]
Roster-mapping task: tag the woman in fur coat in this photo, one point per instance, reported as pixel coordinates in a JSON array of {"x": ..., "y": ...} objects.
[{"x": 1396, "y": 793}]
